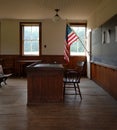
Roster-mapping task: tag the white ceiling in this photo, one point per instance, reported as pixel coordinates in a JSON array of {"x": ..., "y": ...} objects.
[{"x": 44, "y": 9}]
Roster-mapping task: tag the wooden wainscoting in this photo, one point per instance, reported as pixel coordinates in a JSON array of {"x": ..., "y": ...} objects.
[
  {"x": 10, "y": 62},
  {"x": 106, "y": 76}
]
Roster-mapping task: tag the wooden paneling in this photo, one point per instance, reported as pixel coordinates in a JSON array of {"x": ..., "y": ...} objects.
[
  {"x": 106, "y": 77},
  {"x": 11, "y": 64}
]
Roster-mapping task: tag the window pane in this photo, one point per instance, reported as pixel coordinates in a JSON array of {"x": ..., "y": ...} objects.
[
  {"x": 27, "y": 33},
  {"x": 77, "y": 48},
  {"x": 35, "y": 46},
  {"x": 31, "y": 40},
  {"x": 26, "y": 46},
  {"x": 31, "y": 48},
  {"x": 35, "y": 33}
]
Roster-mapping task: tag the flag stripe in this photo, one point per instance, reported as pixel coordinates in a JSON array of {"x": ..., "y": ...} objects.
[{"x": 72, "y": 39}]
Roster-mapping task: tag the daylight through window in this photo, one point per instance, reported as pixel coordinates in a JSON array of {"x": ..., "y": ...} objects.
[
  {"x": 77, "y": 48},
  {"x": 30, "y": 39}
]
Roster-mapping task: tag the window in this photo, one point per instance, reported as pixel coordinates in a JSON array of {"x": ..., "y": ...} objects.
[
  {"x": 78, "y": 47},
  {"x": 30, "y": 39}
]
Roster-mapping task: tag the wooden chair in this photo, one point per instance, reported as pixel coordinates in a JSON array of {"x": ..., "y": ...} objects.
[
  {"x": 3, "y": 77},
  {"x": 73, "y": 76}
]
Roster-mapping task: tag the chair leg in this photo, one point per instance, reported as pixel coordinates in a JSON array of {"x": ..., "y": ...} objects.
[
  {"x": 64, "y": 89},
  {"x": 79, "y": 91},
  {"x": 4, "y": 80},
  {"x": 1, "y": 80},
  {"x": 75, "y": 88},
  {"x": 0, "y": 85}
]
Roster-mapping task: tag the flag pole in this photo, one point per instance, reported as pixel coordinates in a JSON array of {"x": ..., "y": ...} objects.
[{"x": 84, "y": 47}]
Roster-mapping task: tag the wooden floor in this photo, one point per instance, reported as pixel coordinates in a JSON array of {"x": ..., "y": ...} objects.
[{"x": 97, "y": 110}]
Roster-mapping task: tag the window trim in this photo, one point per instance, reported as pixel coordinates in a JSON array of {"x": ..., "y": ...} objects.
[{"x": 21, "y": 36}]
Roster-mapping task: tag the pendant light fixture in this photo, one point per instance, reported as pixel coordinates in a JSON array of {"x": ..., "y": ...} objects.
[{"x": 56, "y": 16}]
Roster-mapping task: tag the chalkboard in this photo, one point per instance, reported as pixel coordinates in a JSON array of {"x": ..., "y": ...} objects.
[{"x": 104, "y": 43}]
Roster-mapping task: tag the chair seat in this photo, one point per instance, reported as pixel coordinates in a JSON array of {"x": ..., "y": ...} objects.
[
  {"x": 7, "y": 75},
  {"x": 72, "y": 76},
  {"x": 66, "y": 80}
]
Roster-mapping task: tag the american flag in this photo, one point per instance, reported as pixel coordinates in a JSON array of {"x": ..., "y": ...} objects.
[{"x": 69, "y": 39}]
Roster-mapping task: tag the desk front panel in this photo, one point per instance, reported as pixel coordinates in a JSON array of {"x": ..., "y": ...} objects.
[{"x": 45, "y": 86}]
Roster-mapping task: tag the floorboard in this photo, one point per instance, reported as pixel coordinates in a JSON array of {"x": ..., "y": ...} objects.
[{"x": 96, "y": 111}]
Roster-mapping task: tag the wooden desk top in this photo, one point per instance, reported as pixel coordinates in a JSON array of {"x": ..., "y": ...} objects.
[
  {"x": 28, "y": 61},
  {"x": 39, "y": 66},
  {"x": 49, "y": 65}
]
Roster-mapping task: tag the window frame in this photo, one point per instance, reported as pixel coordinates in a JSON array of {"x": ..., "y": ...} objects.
[
  {"x": 22, "y": 24},
  {"x": 80, "y": 25}
]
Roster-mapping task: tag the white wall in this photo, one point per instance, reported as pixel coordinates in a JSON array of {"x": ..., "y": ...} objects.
[
  {"x": 105, "y": 11},
  {"x": 52, "y": 36},
  {"x": 9, "y": 37}
]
